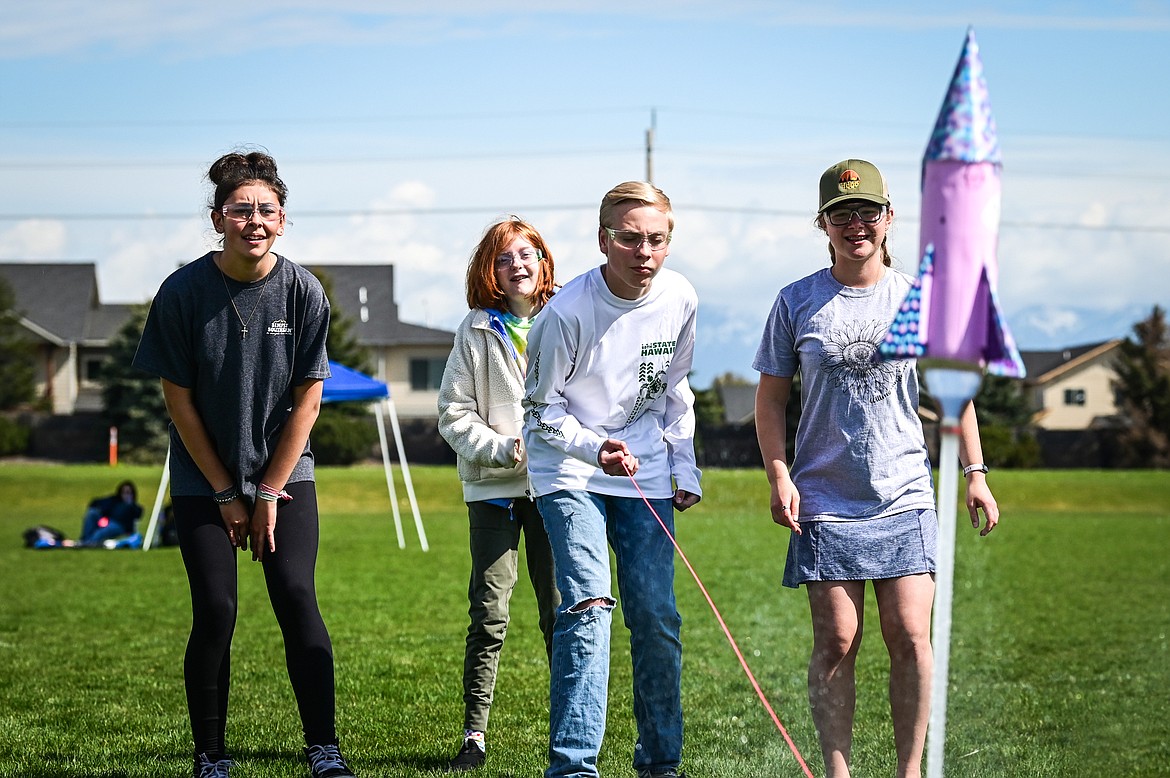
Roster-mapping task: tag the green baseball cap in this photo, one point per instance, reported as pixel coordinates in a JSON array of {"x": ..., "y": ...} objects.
[{"x": 853, "y": 179}]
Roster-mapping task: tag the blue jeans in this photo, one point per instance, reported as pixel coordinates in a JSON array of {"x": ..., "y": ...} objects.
[
  {"x": 581, "y": 527},
  {"x": 92, "y": 534}
]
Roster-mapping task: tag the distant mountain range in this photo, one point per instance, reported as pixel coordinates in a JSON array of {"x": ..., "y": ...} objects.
[
  {"x": 725, "y": 345},
  {"x": 1048, "y": 327}
]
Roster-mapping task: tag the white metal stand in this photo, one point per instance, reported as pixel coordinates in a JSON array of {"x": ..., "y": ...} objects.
[{"x": 953, "y": 388}]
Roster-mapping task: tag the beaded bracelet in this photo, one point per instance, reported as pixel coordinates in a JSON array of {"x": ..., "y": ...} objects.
[
  {"x": 224, "y": 496},
  {"x": 268, "y": 494}
]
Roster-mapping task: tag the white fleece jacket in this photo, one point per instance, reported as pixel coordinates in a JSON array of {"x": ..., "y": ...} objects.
[{"x": 479, "y": 410}]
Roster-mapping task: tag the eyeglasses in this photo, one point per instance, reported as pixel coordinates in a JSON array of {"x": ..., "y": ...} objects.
[
  {"x": 526, "y": 258},
  {"x": 242, "y": 212},
  {"x": 657, "y": 241},
  {"x": 867, "y": 214}
]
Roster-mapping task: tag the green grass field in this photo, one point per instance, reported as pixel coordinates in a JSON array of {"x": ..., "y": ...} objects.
[{"x": 1060, "y": 662}]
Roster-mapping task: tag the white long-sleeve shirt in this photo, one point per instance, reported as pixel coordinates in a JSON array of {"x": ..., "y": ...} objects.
[{"x": 604, "y": 367}]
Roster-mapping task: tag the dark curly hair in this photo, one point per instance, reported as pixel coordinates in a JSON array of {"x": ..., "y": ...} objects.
[{"x": 231, "y": 171}]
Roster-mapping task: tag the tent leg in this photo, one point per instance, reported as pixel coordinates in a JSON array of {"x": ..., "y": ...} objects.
[
  {"x": 151, "y": 527},
  {"x": 422, "y": 535},
  {"x": 390, "y": 475}
]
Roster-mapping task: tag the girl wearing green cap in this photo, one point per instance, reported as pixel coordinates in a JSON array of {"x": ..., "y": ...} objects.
[{"x": 858, "y": 494}]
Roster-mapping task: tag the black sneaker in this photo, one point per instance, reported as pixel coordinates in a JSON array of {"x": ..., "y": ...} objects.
[
  {"x": 665, "y": 772},
  {"x": 326, "y": 762},
  {"x": 469, "y": 757},
  {"x": 208, "y": 767}
]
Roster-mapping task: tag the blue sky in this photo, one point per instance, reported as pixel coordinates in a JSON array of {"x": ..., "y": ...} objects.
[{"x": 404, "y": 128}]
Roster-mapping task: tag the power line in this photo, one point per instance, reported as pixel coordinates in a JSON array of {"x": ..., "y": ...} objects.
[
  {"x": 344, "y": 121},
  {"x": 755, "y": 157},
  {"x": 307, "y": 214},
  {"x": 332, "y": 161},
  {"x": 345, "y": 213},
  {"x": 721, "y": 114}
]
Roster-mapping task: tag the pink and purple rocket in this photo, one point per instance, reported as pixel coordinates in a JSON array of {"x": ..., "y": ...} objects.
[{"x": 952, "y": 315}]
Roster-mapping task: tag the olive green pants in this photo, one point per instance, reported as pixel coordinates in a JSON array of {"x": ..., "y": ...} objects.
[{"x": 495, "y": 552}]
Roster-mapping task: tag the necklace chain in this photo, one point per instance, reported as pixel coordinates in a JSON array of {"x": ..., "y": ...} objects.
[{"x": 244, "y": 323}]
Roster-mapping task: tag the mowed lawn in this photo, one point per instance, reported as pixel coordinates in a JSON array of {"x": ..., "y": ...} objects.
[{"x": 1060, "y": 662}]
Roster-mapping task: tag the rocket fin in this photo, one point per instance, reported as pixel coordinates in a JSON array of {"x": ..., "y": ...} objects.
[
  {"x": 1003, "y": 358},
  {"x": 906, "y": 337}
]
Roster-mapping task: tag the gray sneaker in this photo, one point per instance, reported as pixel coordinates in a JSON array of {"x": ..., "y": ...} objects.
[
  {"x": 664, "y": 772},
  {"x": 326, "y": 762},
  {"x": 206, "y": 767}
]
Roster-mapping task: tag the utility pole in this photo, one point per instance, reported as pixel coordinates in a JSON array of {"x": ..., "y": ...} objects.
[{"x": 650, "y": 145}]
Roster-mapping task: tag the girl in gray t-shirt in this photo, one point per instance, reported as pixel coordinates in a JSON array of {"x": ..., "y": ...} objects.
[
  {"x": 237, "y": 338},
  {"x": 858, "y": 494}
]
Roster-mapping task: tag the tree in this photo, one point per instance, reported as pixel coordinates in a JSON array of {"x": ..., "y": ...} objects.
[
  {"x": 17, "y": 354},
  {"x": 133, "y": 399},
  {"x": 708, "y": 407},
  {"x": 1143, "y": 393},
  {"x": 1002, "y": 401},
  {"x": 344, "y": 433},
  {"x": 1005, "y": 424},
  {"x": 343, "y": 344}
]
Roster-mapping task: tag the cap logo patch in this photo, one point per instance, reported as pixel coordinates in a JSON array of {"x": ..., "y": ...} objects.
[{"x": 849, "y": 182}]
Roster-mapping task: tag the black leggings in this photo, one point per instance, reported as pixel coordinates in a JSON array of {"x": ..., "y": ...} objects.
[{"x": 210, "y": 560}]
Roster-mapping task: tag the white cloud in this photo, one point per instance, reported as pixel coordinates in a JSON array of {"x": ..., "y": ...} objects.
[
  {"x": 412, "y": 193},
  {"x": 182, "y": 29},
  {"x": 33, "y": 239},
  {"x": 141, "y": 256}
]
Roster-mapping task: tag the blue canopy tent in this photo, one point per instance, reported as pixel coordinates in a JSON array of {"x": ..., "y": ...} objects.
[
  {"x": 348, "y": 385},
  {"x": 343, "y": 385}
]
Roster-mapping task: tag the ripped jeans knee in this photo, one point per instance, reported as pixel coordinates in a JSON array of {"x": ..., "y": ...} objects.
[{"x": 594, "y": 602}]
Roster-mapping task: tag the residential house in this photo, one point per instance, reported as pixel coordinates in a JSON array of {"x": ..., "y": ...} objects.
[
  {"x": 62, "y": 311},
  {"x": 739, "y": 403},
  {"x": 409, "y": 358},
  {"x": 59, "y": 306},
  {"x": 1072, "y": 388}
]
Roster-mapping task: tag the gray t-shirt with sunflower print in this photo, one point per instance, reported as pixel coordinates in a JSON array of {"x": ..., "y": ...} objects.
[{"x": 860, "y": 452}]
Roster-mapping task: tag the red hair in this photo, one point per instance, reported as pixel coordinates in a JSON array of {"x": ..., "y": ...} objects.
[{"x": 483, "y": 290}]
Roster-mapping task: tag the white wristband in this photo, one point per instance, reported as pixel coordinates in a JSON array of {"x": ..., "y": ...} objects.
[{"x": 977, "y": 467}]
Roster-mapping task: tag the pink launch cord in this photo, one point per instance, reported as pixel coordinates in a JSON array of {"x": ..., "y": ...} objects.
[{"x": 743, "y": 662}]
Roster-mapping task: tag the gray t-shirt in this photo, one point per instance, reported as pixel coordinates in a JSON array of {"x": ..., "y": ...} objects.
[
  {"x": 242, "y": 386},
  {"x": 860, "y": 452}
]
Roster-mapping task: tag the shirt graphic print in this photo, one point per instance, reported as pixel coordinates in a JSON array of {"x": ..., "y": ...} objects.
[
  {"x": 850, "y": 359},
  {"x": 651, "y": 377}
]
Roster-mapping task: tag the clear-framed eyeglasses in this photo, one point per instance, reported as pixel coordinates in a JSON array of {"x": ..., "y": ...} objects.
[
  {"x": 657, "y": 241},
  {"x": 524, "y": 257},
  {"x": 866, "y": 214},
  {"x": 242, "y": 212}
]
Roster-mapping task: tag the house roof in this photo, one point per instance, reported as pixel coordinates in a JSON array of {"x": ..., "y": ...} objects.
[
  {"x": 739, "y": 402},
  {"x": 365, "y": 293},
  {"x": 61, "y": 302},
  {"x": 1043, "y": 366},
  {"x": 105, "y": 320},
  {"x": 60, "y": 299}
]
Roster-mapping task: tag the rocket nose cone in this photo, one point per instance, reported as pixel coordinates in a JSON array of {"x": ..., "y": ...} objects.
[{"x": 965, "y": 129}]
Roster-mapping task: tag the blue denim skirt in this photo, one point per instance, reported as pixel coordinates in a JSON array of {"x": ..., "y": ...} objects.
[{"x": 890, "y": 547}]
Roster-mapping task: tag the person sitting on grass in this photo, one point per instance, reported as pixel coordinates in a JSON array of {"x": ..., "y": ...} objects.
[{"x": 112, "y": 516}]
